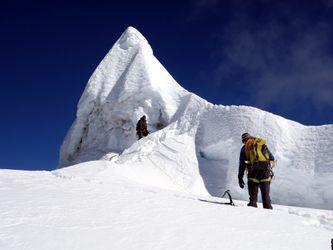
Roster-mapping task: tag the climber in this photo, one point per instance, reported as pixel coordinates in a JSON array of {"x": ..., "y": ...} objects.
[
  {"x": 256, "y": 158},
  {"x": 141, "y": 127}
]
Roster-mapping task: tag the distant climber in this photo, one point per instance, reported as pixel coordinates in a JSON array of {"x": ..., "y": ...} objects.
[
  {"x": 141, "y": 127},
  {"x": 256, "y": 158}
]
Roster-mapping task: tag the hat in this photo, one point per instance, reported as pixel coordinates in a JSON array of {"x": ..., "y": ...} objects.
[{"x": 245, "y": 136}]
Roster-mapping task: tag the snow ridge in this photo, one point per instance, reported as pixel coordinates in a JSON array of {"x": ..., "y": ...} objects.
[
  {"x": 128, "y": 83},
  {"x": 193, "y": 146}
]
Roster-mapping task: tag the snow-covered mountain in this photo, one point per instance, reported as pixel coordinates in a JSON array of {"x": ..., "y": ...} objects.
[
  {"x": 156, "y": 193},
  {"x": 128, "y": 83},
  {"x": 194, "y": 145}
]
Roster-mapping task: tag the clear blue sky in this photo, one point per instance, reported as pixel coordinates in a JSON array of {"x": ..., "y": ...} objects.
[{"x": 275, "y": 55}]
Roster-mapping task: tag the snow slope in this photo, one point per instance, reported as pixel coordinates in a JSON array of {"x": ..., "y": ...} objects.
[
  {"x": 128, "y": 83},
  {"x": 194, "y": 145},
  {"x": 94, "y": 205}
]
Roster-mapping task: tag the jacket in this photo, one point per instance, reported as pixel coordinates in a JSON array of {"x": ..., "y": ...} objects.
[{"x": 242, "y": 164}]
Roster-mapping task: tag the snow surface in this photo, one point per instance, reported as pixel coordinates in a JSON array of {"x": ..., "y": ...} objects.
[
  {"x": 94, "y": 205},
  {"x": 128, "y": 83},
  {"x": 158, "y": 192},
  {"x": 194, "y": 145}
]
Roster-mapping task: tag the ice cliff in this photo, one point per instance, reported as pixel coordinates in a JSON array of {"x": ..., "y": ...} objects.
[
  {"x": 128, "y": 83},
  {"x": 194, "y": 145}
]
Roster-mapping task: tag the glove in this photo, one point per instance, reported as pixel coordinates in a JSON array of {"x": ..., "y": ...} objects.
[{"x": 241, "y": 183}]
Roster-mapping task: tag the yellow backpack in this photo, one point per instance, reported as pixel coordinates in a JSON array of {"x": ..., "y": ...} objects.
[{"x": 256, "y": 150}]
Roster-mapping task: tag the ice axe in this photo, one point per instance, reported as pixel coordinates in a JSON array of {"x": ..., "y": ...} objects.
[{"x": 227, "y": 192}]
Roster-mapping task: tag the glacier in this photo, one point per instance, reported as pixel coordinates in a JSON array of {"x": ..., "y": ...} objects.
[
  {"x": 112, "y": 191},
  {"x": 193, "y": 145}
]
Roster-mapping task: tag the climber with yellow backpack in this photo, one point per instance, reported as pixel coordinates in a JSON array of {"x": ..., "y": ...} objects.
[{"x": 257, "y": 160}]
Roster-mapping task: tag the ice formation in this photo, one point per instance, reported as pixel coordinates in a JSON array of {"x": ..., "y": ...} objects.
[
  {"x": 193, "y": 145},
  {"x": 128, "y": 83}
]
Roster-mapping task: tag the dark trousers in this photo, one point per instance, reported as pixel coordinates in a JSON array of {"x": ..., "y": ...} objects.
[
  {"x": 142, "y": 134},
  {"x": 253, "y": 192}
]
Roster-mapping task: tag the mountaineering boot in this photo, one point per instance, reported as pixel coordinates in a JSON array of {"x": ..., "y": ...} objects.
[{"x": 252, "y": 205}]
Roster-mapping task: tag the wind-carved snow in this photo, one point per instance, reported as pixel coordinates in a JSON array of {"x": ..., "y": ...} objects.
[
  {"x": 155, "y": 193},
  {"x": 92, "y": 206},
  {"x": 304, "y": 171},
  {"x": 193, "y": 146},
  {"x": 128, "y": 83}
]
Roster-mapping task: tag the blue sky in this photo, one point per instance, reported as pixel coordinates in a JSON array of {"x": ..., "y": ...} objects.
[{"x": 274, "y": 55}]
